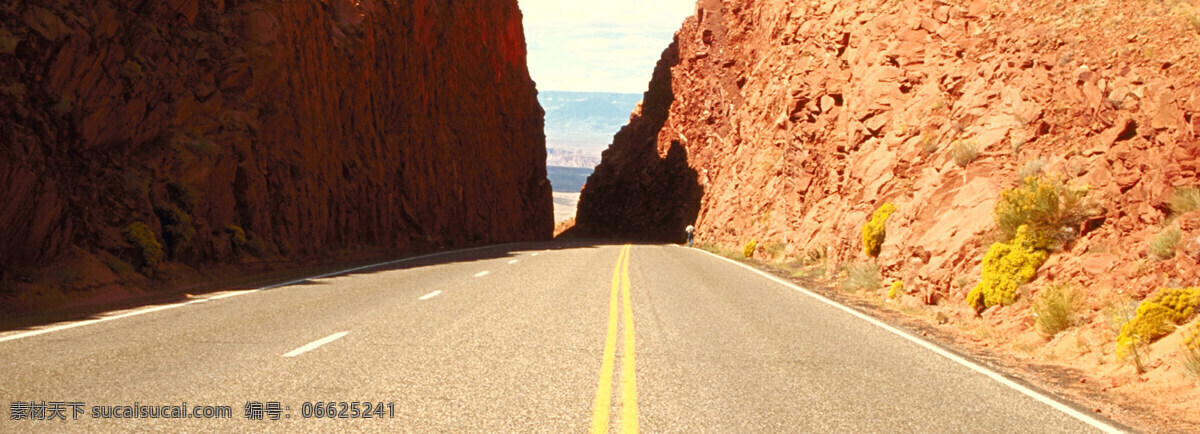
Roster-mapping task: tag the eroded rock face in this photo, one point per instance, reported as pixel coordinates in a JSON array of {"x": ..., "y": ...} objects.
[
  {"x": 311, "y": 126},
  {"x": 800, "y": 118}
]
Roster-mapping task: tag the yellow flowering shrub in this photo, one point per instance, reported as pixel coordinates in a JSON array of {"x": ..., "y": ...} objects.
[
  {"x": 896, "y": 290},
  {"x": 1051, "y": 209},
  {"x": 1157, "y": 316},
  {"x": 873, "y": 231},
  {"x": 749, "y": 248},
  {"x": 1007, "y": 266}
]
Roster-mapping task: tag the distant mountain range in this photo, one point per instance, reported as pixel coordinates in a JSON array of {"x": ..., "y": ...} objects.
[
  {"x": 572, "y": 158},
  {"x": 580, "y": 125}
]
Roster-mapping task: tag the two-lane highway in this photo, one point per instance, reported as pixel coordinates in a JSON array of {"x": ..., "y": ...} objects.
[{"x": 542, "y": 337}]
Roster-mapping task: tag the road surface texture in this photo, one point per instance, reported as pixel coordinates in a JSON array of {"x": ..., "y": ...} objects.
[{"x": 542, "y": 337}]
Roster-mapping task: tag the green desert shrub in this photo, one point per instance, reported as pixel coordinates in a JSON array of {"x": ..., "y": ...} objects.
[
  {"x": 1163, "y": 245},
  {"x": 748, "y": 249},
  {"x": 142, "y": 237},
  {"x": 1054, "y": 309},
  {"x": 1156, "y": 317},
  {"x": 1051, "y": 209},
  {"x": 861, "y": 276},
  {"x": 1006, "y": 267},
  {"x": 874, "y": 231}
]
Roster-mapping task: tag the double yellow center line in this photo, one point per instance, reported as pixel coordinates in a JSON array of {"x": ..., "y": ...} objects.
[{"x": 603, "y": 403}]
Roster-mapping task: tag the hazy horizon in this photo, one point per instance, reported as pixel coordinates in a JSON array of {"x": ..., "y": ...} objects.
[{"x": 609, "y": 46}]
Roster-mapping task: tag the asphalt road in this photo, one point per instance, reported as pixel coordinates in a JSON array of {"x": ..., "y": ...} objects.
[{"x": 520, "y": 338}]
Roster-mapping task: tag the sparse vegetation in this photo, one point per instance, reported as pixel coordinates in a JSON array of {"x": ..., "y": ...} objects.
[
  {"x": 964, "y": 152},
  {"x": 178, "y": 230},
  {"x": 237, "y": 236},
  {"x": 1191, "y": 360},
  {"x": 1031, "y": 169},
  {"x": 928, "y": 143},
  {"x": 874, "y": 231},
  {"x": 861, "y": 276},
  {"x": 719, "y": 250},
  {"x": 1191, "y": 350},
  {"x": 748, "y": 249},
  {"x": 8, "y": 42},
  {"x": 1006, "y": 266},
  {"x": 1052, "y": 210},
  {"x": 1163, "y": 245},
  {"x": 1054, "y": 309},
  {"x": 1157, "y": 316},
  {"x": 142, "y": 238},
  {"x": 775, "y": 249},
  {"x": 1184, "y": 200},
  {"x": 896, "y": 290},
  {"x": 815, "y": 254},
  {"x": 132, "y": 70}
]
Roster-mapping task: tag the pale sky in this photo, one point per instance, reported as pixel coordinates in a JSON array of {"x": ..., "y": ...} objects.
[{"x": 599, "y": 45}]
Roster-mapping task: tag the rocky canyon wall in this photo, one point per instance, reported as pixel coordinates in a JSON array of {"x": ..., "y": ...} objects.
[
  {"x": 796, "y": 120},
  {"x": 800, "y": 118},
  {"x": 264, "y": 128}
]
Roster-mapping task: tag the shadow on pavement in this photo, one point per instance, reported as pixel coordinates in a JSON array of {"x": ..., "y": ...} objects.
[{"x": 295, "y": 277}]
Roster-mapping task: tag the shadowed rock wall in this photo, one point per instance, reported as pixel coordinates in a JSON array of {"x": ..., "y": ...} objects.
[{"x": 309, "y": 125}]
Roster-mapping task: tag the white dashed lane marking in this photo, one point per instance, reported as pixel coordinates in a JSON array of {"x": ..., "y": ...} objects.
[
  {"x": 481, "y": 274},
  {"x": 315, "y": 344},
  {"x": 430, "y": 295}
]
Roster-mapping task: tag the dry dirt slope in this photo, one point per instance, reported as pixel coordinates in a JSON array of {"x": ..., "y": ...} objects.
[{"x": 790, "y": 122}]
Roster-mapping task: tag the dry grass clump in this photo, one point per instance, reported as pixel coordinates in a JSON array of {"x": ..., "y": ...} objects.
[
  {"x": 1184, "y": 200},
  {"x": 1191, "y": 350},
  {"x": 1163, "y": 245},
  {"x": 861, "y": 276},
  {"x": 1054, "y": 309},
  {"x": 964, "y": 152}
]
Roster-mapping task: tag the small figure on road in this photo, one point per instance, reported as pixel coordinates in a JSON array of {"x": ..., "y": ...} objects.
[{"x": 689, "y": 231}]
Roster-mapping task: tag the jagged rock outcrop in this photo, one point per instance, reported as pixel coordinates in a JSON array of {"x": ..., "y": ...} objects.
[
  {"x": 266, "y": 128},
  {"x": 801, "y": 118},
  {"x": 643, "y": 189}
]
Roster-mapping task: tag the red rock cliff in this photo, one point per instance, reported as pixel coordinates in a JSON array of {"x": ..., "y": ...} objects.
[
  {"x": 308, "y": 126},
  {"x": 800, "y": 118}
]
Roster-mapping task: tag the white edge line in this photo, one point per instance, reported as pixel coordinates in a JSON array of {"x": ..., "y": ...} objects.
[
  {"x": 72, "y": 325},
  {"x": 999, "y": 378},
  {"x": 430, "y": 295},
  {"x": 481, "y": 274},
  {"x": 315, "y": 344}
]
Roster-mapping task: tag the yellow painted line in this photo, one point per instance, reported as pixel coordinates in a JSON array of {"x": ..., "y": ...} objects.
[
  {"x": 629, "y": 410},
  {"x": 601, "y": 407}
]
